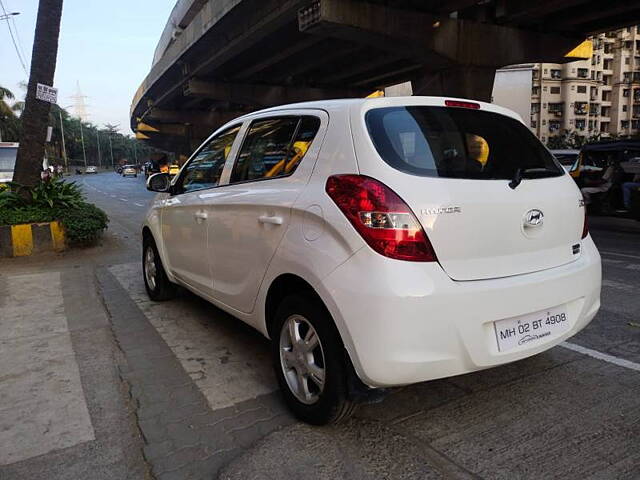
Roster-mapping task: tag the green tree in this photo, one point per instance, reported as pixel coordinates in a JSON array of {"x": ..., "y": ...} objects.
[
  {"x": 35, "y": 117},
  {"x": 9, "y": 122}
]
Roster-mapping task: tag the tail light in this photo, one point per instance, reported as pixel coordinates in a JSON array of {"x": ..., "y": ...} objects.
[
  {"x": 585, "y": 224},
  {"x": 381, "y": 217},
  {"x": 462, "y": 104}
]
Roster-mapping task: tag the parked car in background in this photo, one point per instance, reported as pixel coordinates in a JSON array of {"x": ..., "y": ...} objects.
[
  {"x": 396, "y": 240},
  {"x": 91, "y": 169},
  {"x": 129, "y": 170},
  {"x": 174, "y": 169}
]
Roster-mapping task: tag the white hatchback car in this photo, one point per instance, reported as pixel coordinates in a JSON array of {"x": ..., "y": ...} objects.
[{"x": 378, "y": 242}]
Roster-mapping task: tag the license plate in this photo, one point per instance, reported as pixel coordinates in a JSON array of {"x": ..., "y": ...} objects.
[{"x": 531, "y": 329}]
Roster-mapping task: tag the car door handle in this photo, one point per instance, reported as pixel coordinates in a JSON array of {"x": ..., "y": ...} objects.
[
  {"x": 200, "y": 216},
  {"x": 268, "y": 219}
]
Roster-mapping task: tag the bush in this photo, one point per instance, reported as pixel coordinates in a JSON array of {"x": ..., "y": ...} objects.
[
  {"x": 83, "y": 223},
  {"x": 53, "y": 193},
  {"x": 55, "y": 200},
  {"x": 15, "y": 216}
]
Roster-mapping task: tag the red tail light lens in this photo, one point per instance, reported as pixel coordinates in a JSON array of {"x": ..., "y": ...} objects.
[
  {"x": 381, "y": 217},
  {"x": 585, "y": 225}
]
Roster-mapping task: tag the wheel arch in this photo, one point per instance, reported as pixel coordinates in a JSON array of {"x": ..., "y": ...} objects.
[
  {"x": 288, "y": 283},
  {"x": 146, "y": 233},
  {"x": 283, "y": 285}
]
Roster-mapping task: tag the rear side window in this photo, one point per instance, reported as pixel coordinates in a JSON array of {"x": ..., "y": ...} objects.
[
  {"x": 457, "y": 143},
  {"x": 274, "y": 147}
]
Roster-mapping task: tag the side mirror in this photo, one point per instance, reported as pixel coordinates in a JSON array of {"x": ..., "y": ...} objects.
[{"x": 159, "y": 182}]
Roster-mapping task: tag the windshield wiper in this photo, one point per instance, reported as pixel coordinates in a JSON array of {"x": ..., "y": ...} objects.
[
  {"x": 521, "y": 173},
  {"x": 517, "y": 179}
]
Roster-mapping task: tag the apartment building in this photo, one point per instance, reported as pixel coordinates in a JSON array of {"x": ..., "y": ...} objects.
[{"x": 588, "y": 97}]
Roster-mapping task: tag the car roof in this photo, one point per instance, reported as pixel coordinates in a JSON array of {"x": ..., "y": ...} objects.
[{"x": 367, "y": 103}]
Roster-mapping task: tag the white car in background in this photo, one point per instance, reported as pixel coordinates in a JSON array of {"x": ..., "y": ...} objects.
[
  {"x": 129, "y": 170},
  {"x": 378, "y": 242},
  {"x": 91, "y": 169}
]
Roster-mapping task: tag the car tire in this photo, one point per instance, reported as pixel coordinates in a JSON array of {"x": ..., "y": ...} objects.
[
  {"x": 156, "y": 282},
  {"x": 330, "y": 403},
  {"x": 135, "y": 176}
]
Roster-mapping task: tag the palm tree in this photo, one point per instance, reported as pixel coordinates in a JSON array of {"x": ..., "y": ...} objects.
[
  {"x": 9, "y": 123},
  {"x": 35, "y": 117},
  {"x": 5, "y": 108}
]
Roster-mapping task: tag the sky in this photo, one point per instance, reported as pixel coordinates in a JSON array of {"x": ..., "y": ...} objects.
[{"x": 106, "y": 45}]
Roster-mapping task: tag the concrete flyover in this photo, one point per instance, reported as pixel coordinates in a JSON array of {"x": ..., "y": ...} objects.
[{"x": 218, "y": 59}]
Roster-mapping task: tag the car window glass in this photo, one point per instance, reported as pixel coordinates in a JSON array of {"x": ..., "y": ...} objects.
[
  {"x": 205, "y": 169},
  {"x": 274, "y": 147},
  {"x": 457, "y": 143}
]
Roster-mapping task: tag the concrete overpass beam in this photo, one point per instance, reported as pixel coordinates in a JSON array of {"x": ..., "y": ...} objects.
[
  {"x": 209, "y": 119},
  {"x": 437, "y": 41},
  {"x": 264, "y": 95}
]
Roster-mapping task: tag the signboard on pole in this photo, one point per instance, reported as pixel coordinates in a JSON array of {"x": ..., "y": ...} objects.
[{"x": 46, "y": 93}]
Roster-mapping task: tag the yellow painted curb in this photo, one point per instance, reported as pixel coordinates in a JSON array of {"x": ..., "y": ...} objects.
[
  {"x": 22, "y": 240},
  {"x": 57, "y": 236},
  {"x": 31, "y": 238}
]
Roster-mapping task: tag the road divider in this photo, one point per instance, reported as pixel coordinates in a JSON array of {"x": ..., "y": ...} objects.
[{"x": 27, "y": 239}]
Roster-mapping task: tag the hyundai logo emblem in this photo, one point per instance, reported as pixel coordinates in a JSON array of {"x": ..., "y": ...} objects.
[{"x": 533, "y": 218}]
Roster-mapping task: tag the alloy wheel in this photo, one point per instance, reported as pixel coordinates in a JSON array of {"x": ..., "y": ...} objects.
[
  {"x": 150, "y": 270},
  {"x": 302, "y": 359}
]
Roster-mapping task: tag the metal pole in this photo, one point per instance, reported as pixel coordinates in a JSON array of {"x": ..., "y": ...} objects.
[
  {"x": 113, "y": 164},
  {"x": 64, "y": 147},
  {"x": 84, "y": 154},
  {"x": 99, "y": 155}
]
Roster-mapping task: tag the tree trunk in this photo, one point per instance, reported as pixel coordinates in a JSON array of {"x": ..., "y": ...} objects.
[{"x": 35, "y": 117}]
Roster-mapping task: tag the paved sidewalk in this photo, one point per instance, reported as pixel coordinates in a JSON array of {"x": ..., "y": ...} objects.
[
  {"x": 63, "y": 413},
  {"x": 190, "y": 430}
]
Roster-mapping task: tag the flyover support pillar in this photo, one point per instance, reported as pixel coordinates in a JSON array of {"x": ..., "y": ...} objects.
[{"x": 464, "y": 81}]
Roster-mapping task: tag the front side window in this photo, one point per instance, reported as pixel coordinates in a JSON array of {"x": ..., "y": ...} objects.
[
  {"x": 274, "y": 147},
  {"x": 205, "y": 169},
  {"x": 457, "y": 143}
]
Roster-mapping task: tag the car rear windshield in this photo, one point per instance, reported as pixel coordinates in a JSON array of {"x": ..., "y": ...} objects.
[{"x": 458, "y": 143}]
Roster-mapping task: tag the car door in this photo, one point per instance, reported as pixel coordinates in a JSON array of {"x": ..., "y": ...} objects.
[
  {"x": 252, "y": 211},
  {"x": 184, "y": 216}
]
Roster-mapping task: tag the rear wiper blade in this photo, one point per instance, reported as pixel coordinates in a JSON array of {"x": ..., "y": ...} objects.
[
  {"x": 517, "y": 178},
  {"x": 521, "y": 173}
]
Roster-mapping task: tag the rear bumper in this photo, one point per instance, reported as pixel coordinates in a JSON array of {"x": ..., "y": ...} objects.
[{"x": 409, "y": 322}]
